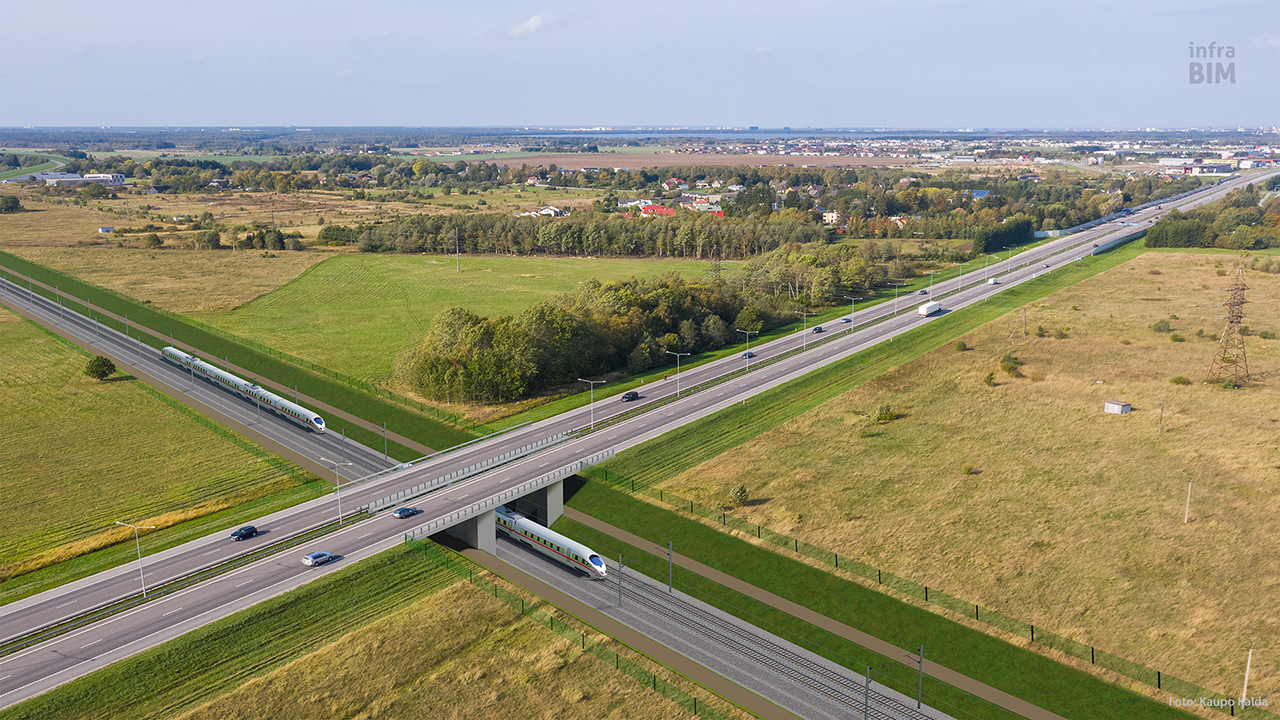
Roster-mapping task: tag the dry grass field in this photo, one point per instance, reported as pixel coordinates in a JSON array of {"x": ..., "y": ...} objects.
[
  {"x": 80, "y": 454},
  {"x": 458, "y": 653},
  {"x": 1067, "y": 518}
]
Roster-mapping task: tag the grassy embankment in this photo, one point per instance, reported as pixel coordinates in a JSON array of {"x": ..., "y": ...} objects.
[
  {"x": 82, "y": 454},
  {"x": 419, "y": 643}
]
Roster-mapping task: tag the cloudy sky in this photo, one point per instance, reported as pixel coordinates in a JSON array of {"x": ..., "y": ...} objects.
[{"x": 802, "y": 63}]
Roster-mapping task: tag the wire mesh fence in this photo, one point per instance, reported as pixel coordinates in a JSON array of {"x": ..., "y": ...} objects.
[
  {"x": 1115, "y": 663},
  {"x": 472, "y": 573}
]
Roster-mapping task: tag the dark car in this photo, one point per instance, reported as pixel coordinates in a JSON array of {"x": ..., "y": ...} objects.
[
  {"x": 924, "y": 292},
  {"x": 629, "y": 396},
  {"x": 244, "y": 533},
  {"x": 1045, "y": 265},
  {"x": 405, "y": 512},
  {"x": 318, "y": 558},
  {"x": 748, "y": 355},
  {"x": 817, "y": 328},
  {"x": 846, "y": 320}
]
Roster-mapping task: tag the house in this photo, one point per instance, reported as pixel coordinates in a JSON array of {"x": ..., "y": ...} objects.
[
  {"x": 653, "y": 210},
  {"x": 105, "y": 178},
  {"x": 219, "y": 183},
  {"x": 831, "y": 217},
  {"x": 675, "y": 183},
  {"x": 551, "y": 211},
  {"x": 157, "y": 189}
]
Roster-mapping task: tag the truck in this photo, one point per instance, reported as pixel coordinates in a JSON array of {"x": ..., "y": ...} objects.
[{"x": 928, "y": 309}]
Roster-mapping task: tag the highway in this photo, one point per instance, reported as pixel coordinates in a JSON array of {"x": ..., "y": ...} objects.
[{"x": 31, "y": 671}]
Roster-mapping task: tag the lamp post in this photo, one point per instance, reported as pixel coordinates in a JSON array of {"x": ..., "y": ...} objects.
[
  {"x": 337, "y": 482},
  {"x": 895, "y": 297},
  {"x": 138, "y": 543},
  {"x": 593, "y": 384},
  {"x": 804, "y": 325},
  {"x": 747, "y": 354},
  {"x": 960, "y": 278},
  {"x": 851, "y": 300},
  {"x": 678, "y": 355}
]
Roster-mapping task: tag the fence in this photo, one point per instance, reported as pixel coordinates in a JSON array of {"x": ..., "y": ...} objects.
[
  {"x": 1039, "y": 635},
  {"x": 443, "y": 523},
  {"x": 467, "y": 571},
  {"x": 466, "y": 472}
]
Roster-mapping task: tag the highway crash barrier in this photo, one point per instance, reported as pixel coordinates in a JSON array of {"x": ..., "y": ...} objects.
[
  {"x": 465, "y": 472},
  {"x": 444, "y": 523}
]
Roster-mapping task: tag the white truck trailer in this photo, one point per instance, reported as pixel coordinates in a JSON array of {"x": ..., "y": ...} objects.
[{"x": 928, "y": 309}]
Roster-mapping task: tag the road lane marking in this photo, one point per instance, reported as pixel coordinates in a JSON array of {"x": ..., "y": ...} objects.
[
  {"x": 246, "y": 582},
  {"x": 544, "y": 464},
  {"x": 364, "y": 536},
  {"x": 73, "y": 602},
  {"x": 171, "y": 612},
  {"x": 95, "y": 642},
  {"x": 6, "y": 677},
  {"x": 211, "y": 552}
]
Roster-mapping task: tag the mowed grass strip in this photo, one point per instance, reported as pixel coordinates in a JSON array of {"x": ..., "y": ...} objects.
[
  {"x": 357, "y": 402},
  {"x": 81, "y": 454},
  {"x": 1013, "y": 669},
  {"x": 356, "y": 313},
  {"x": 1028, "y": 499}
]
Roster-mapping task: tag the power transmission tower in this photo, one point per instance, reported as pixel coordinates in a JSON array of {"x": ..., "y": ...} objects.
[
  {"x": 715, "y": 263},
  {"x": 1229, "y": 363}
]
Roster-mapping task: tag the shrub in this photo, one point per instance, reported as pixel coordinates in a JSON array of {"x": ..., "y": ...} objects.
[
  {"x": 1009, "y": 363},
  {"x": 886, "y": 414},
  {"x": 968, "y": 470},
  {"x": 1154, "y": 271},
  {"x": 1180, "y": 380},
  {"x": 990, "y": 379},
  {"x": 1229, "y": 384},
  {"x": 1222, "y": 272},
  {"x": 961, "y": 346},
  {"x": 1061, "y": 334},
  {"x": 100, "y": 368},
  {"x": 1041, "y": 332},
  {"x": 1162, "y": 326},
  {"x": 294, "y": 244},
  {"x": 1177, "y": 338},
  {"x": 1267, "y": 335},
  {"x": 152, "y": 241},
  {"x": 738, "y": 495}
]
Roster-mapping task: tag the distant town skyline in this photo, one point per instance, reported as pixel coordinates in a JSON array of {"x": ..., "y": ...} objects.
[{"x": 944, "y": 65}]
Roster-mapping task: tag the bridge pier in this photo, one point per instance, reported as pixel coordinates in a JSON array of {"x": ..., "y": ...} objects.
[
  {"x": 544, "y": 505},
  {"x": 478, "y": 532}
]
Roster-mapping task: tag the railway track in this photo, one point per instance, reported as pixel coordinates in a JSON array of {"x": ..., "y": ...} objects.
[{"x": 801, "y": 670}]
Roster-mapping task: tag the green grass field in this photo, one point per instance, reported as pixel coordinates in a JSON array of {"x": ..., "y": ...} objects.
[
  {"x": 420, "y": 643},
  {"x": 81, "y": 454},
  {"x": 356, "y": 313}
]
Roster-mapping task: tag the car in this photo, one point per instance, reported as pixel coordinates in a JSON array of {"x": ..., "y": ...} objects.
[
  {"x": 924, "y": 292},
  {"x": 244, "y": 533},
  {"x": 1045, "y": 265},
  {"x": 846, "y": 320},
  {"x": 1095, "y": 244},
  {"x": 748, "y": 355},
  {"x": 318, "y": 558},
  {"x": 405, "y": 512},
  {"x": 629, "y": 396},
  {"x": 817, "y": 329}
]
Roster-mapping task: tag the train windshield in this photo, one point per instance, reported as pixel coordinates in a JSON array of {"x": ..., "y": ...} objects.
[
  {"x": 595, "y": 560},
  {"x": 319, "y": 421}
]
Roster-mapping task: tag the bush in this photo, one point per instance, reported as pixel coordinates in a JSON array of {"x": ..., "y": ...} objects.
[
  {"x": 1162, "y": 326},
  {"x": 968, "y": 470},
  {"x": 100, "y": 368},
  {"x": 961, "y": 346},
  {"x": 990, "y": 379},
  {"x": 1267, "y": 335},
  {"x": 1177, "y": 338},
  {"x": 1041, "y": 332},
  {"x": 1061, "y": 334},
  {"x": 1010, "y": 364},
  {"x": 1180, "y": 380},
  {"x": 738, "y": 495},
  {"x": 152, "y": 241},
  {"x": 294, "y": 244},
  {"x": 886, "y": 414},
  {"x": 1229, "y": 384}
]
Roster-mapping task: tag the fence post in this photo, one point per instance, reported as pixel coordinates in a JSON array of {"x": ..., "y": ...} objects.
[{"x": 1033, "y": 633}]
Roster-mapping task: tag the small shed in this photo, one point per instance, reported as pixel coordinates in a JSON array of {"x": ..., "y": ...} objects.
[{"x": 1115, "y": 407}]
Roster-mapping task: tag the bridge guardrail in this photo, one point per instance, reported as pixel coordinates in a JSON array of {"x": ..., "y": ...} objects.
[
  {"x": 453, "y": 518},
  {"x": 468, "y": 471}
]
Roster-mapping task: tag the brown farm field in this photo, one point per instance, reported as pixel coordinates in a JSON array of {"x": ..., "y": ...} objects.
[
  {"x": 458, "y": 653},
  {"x": 1026, "y": 498}
]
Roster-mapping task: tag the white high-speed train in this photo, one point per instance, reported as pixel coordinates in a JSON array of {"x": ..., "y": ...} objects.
[
  {"x": 551, "y": 543},
  {"x": 246, "y": 389}
]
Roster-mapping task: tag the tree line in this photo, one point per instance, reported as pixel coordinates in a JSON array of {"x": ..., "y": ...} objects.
[{"x": 1239, "y": 222}]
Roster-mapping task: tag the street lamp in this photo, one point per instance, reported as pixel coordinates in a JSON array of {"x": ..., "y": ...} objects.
[
  {"x": 747, "y": 354},
  {"x": 895, "y": 296},
  {"x": 593, "y": 399},
  {"x": 337, "y": 481},
  {"x": 138, "y": 543},
  {"x": 804, "y": 325},
  {"x": 851, "y": 300},
  {"x": 678, "y": 369}
]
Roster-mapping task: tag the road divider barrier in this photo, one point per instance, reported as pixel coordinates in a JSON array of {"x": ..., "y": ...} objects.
[
  {"x": 444, "y": 523},
  {"x": 456, "y": 475}
]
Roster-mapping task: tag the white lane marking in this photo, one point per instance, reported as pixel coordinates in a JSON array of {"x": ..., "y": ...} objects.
[
  {"x": 246, "y": 582},
  {"x": 211, "y": 552},
  {"x": 544, "y": 464},
  {"x": 6, "y": 677},
  {"x": 95, "y": 642},
  {"x": 171, "y": 612},
  {"x": 73, "y": 602},
  {"x": 364, "y": 536}
]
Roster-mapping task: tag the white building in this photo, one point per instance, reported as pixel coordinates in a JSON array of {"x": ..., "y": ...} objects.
[{"x": 105, "y": 178}]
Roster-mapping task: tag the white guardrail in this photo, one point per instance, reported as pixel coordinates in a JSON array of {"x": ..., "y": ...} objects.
[
  {"x": 453, "y": 518},
  {"x": 465, "y": 472}
]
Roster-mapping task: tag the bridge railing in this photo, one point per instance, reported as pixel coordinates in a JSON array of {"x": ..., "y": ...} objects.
[
  {"x": 466, "y": 472},
  {"x": 502, "y": 498}
]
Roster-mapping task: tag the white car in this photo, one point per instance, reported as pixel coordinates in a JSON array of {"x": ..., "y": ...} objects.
[{"x": 318, "y": 558}]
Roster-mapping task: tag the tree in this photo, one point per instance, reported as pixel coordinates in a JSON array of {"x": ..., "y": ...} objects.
[
  {"x": 151, "y": 241},
  {"x": 9, "y": 204},
  {"x": 100, "y": 368},
  {"x": 738, "y": 495},
  {"x": 749, "y": 319}
]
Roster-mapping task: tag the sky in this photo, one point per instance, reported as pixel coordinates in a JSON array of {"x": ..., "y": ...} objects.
[{"x": 938, "y": 64}]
